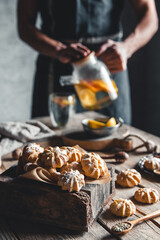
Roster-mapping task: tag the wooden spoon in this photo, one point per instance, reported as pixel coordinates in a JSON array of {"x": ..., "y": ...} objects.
[
  {"x": 132, "y": 223},
  {"x": 119, "y": 157}
]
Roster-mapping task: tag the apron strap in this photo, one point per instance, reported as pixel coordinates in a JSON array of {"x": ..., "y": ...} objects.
[{"x": 94, "y": 40}]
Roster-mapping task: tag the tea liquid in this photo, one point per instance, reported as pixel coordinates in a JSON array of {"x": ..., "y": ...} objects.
[{"x": 94, "y": 94}]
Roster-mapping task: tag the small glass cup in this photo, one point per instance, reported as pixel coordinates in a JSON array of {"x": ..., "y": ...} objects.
[{"x": 61, "y": 108}]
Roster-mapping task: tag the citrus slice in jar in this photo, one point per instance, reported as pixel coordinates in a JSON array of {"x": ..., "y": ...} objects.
[
  {"x": 89, "y": 85},
  {"x": 100, "y": 85},
  {"x": 87, "y": 98}
]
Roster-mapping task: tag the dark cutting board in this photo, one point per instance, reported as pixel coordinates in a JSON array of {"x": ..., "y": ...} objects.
[
  {"x": 41, "y": 202},
  {"x": 84, "y": 140}
]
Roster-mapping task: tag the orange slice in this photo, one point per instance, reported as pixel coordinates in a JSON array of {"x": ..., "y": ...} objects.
[
  {"x": 111, "y": 122},
  {"x": 63, "y": 102},
  {"x": 88, "y": 85},
  {"x": 87, "y": 97},
  {"x": 100, "y": 85},
  {"x": 95, "y": 124}
]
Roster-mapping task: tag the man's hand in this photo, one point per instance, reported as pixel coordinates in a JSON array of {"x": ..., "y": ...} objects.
[
  {"x": 114, "y": 55},
  {"x": 28, "y": 32},
  {"x": 72, "y": 52}
]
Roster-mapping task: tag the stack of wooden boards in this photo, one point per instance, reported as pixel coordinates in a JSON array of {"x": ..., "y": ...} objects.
[{"x": 40, "y": 202}]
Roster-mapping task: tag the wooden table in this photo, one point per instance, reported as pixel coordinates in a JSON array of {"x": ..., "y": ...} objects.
[{"x": 15, "y": 230}]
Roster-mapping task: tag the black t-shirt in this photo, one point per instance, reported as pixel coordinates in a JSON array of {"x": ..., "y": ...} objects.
[{"x": 74, "y": 19}]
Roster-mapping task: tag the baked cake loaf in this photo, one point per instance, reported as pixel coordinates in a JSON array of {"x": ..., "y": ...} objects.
[
  {"x": 128, "y": 178},
  {"x": 71, "y": 181},
  {"x": 31, "y": 153},
  {"x": 123, "y": 207},
  {"x": 93, "y": 165},
  {"x": 53, "y": 157},
  {"x": 152, "y": 163},
  {"x": 146, "y": 195}
]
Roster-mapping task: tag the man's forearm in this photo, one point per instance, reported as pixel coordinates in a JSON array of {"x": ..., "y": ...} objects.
[
  {"x": 40, "y": 42},
  {"x": 143, "y": 32},
  {"x": 50, "y": 47},
  {"x": 27, "y": 11}
]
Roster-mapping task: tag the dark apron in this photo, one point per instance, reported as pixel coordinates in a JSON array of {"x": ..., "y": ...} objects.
[{"x": 90, "y": 22}]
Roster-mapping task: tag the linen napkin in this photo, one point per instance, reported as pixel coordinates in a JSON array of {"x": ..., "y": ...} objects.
[{"x": 14, "y": 134}]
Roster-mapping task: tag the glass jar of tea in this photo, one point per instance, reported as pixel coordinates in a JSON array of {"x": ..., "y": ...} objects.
[{"x": 92, "y": 83}]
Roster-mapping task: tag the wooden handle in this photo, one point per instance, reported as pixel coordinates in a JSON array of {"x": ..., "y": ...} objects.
[
  {"x": 146, "y": 217},
  {"x": 124, "y": 144}
]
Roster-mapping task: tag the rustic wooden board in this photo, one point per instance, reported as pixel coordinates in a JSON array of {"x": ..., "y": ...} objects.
[
  {"x": 5, "y": 231},
  {"x": 144, "y": 230},
  {"x": 84, "y": 140},
  {"x": 94, "y": 144},
  {"x": 33, "y": 231},
  {"x": 46, "y": 203}
]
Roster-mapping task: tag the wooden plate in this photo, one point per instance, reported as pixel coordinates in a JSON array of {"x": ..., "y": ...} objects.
[{"x": 88, "y": 142}]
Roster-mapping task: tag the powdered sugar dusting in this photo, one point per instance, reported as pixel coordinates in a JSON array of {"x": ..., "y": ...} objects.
[{"x": 34, "y": 147}]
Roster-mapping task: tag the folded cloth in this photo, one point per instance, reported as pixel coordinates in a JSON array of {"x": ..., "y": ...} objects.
[{"x": 15, "y": 134}]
